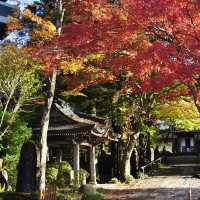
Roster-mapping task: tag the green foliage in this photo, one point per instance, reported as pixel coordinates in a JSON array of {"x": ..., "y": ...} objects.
[
  {"x": 59, "y": 174},
  {"x": 83, "y": 174},
  {"x": 2, "y": 188},
  {"x": 69, "y": 194},
  {"x": 92, "y": 196},
  {"x": 63, "y": 178},
  {"x": 19, "y": 82},
  {"x": 51, "y": 174},
  {"x": 129, "y": 179},
  {"x": 114, "y": 180},
  {"x": 18, "y": 72},
  {"x": 178, "y": 114},
  {"x": 11, "y": 147}
]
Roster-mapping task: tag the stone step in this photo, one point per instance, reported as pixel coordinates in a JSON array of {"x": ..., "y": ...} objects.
[
  {"x": 183, "y": 159},
  {"x": 178, "y": 169}
]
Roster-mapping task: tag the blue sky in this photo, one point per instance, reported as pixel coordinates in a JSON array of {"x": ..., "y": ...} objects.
[
  {"x": 22, "y": 3},
  {"x": 20, "y": 37}
]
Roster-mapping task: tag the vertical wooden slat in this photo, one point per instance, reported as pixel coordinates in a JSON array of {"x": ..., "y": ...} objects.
[{"x": 50, "y": 192}]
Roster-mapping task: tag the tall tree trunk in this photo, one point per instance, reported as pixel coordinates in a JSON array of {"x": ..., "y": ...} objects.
[
  {"x": 127, "y": 156},
  {"x": 127, "y": 161},
  {"x": 148, "y": 148},
  {"x": 135, "y": 163},
  {"x": 44, "y": 131},
  {"x": 141, "y": 150},
  {"x": 46, "y": 116}
]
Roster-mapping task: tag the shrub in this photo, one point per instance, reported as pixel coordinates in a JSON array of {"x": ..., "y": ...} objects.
[
  {"x": 63, "y": 177},
  {"x": 114, "y": 180},
  {"x": 92, "y": 196},
  {"x": 83, "y": 174},
  {"x": 68, "y": 194},
  {"x": 18, "y": 134},
  {"x": 2, "y": 188},
  {"x": 60, "y": 196},
  {"x": 59, "y": 174},
  {"x": 129, "y": 179},
  {"x": 51, "y": 174}
]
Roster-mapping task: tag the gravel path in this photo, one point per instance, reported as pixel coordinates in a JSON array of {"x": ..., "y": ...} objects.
[{"x": 158, "y": 188}]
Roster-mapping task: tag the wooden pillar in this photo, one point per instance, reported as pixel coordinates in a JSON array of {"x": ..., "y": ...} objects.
[
  {"x": 1, "y": 163},
  {"x": 60, "y": 155},
  {"x": 92, "y": 165},
  {"x": 152, "y": 155},
  {"x": 76, "y": 163}
]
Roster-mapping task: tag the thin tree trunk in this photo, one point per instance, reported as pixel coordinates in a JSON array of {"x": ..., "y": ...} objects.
[
  {"x": 6, "y": 107},
  {"x": 14, "y": 85},
  {"x": 43, "y": 142},
  {"x": 17, "y": 107},
  {"x": 46, "y": 116}
]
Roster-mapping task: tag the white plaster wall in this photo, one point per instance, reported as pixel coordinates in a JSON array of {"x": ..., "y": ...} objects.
[
  {"x": 192, "y": 142},
  {"x": 182, "y": 143}
]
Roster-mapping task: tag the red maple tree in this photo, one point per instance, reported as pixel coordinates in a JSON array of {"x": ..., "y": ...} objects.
[{"x": 156, "y": 43}]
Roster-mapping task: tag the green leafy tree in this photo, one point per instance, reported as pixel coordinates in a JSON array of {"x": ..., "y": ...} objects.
[
  {"x": 179, "y": 113},
  {"x": 19, "y": 82},
  {"x": 11, "y": 145}
]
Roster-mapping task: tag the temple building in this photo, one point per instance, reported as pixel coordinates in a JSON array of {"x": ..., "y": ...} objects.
[
  {"x": 5, "y": 10},
  {"x": 181, "y": 141},
  {"x": 186, "y": 142},
  {"x": 74, "y": 137}
]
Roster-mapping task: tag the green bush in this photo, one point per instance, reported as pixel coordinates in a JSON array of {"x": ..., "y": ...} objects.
[
  {"x": 83, "y": 173},
  {"x": 63, "y": 177},
  {"x": 92, "y": 196},
  {"x": 59, "y": 174},
  {"x": 129, "y": 179},
  {"x": 51, "y": 174},
  {"x": 60, "y": 196},
  {"x": 65, "y": 166},
  {"x": 18, "y": 134},
  {"x": 68, "y": 194},
  {"x": 114, "y": 180}
]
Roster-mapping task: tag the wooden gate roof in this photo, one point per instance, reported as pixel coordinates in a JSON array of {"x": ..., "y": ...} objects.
[{"x": 66, "y": 123}]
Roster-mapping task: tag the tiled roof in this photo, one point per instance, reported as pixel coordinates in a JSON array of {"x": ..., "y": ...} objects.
[{"x": 62, "y": 125}]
